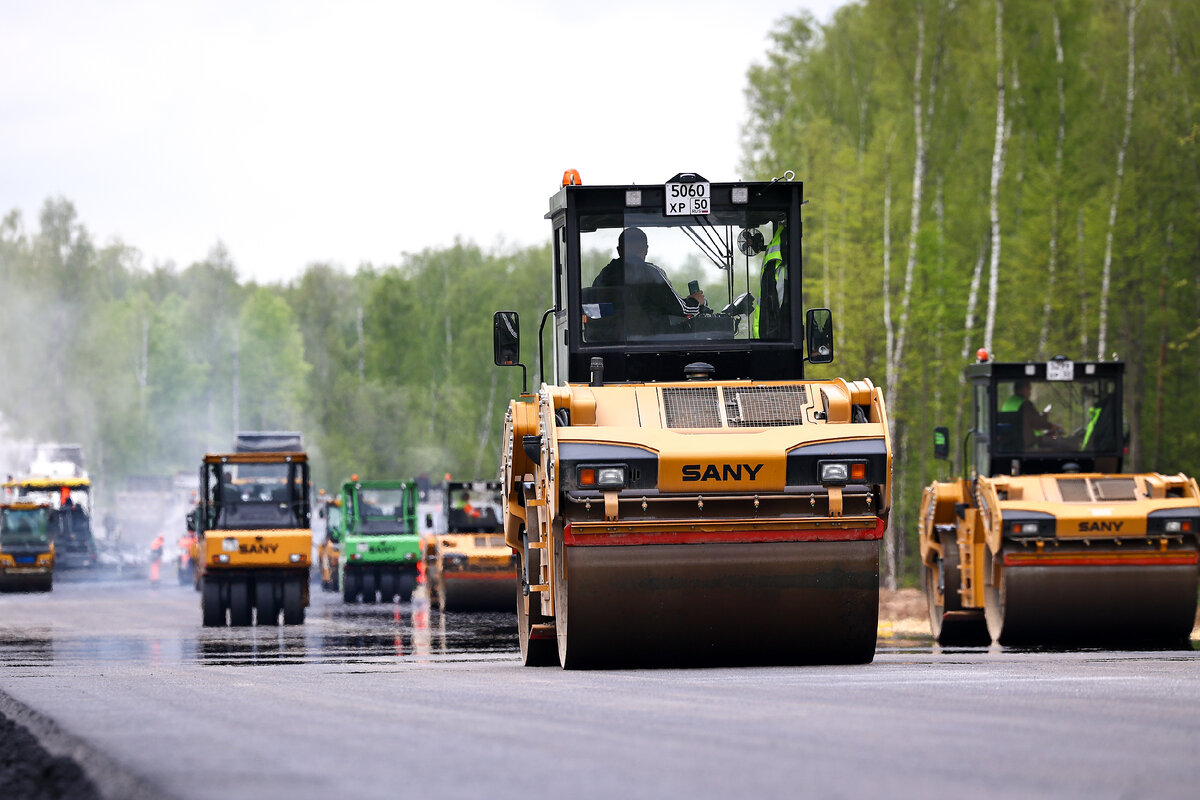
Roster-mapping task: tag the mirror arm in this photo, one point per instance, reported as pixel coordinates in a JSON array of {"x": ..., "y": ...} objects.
[{"x": 966, "y": 443}]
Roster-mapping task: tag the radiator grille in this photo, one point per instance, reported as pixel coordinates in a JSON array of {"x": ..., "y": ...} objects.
[
  {"x": 691, "y": 408},
  {"x": 1074, "y": 490},
  {"x": 1110, "y": 490},
  {"x": 1115, "y": 489},
  {"x": 764, "y": 406},
  {"x": 745, "y": 406}
]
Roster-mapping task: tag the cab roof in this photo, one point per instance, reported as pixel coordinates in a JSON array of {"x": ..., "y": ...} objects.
[
  {"x": 47, "y": 483},
  {"x": 255, "y": 458},
  {"x": 1036, "y": 370}
]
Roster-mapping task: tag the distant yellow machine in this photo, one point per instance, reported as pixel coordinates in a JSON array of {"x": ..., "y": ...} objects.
[
  {"x": 1046, "y": 541},
  {"x": 469, "y": 565},
  {"x": 69, "y": 522},
  {"x": 329, "y": 550},
  {"x": 26, "y": 547},
  {"x": 254, "y": 537}
]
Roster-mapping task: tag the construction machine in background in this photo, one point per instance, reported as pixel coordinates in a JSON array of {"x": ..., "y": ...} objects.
[
  {"x": 185, "y": 557},
  {"x": 469, "y": 566},
  {"x": 379, "y": 545},
  {"x": 329, "y": 510},
  {"x": 268, "y": 441},
  {"x": 254, "y": 536},
  {"x": 681, "y": 493},
  {"x": 69, "y": 500},
  {"x": 1044, "y": 541},
  {"x": 26, "y": 546}
]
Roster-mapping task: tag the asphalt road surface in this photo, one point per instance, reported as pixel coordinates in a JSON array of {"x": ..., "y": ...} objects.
[{"x": 397, "y": 702}]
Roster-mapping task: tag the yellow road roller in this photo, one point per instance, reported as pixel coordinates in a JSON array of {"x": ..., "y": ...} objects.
[
  {"x": 677, "y": 492},
  {"x": 254, "y": 538},
  {"x": 1045, "y": 541},
  {"x": 26, "y": 546},
  {"x": 470, "y": 567}
]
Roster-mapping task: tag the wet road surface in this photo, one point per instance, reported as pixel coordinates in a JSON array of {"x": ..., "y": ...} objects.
[{"x": 398, "y": 701}]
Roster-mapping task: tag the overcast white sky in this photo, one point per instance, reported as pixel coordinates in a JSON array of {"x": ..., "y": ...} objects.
[{"x": 299, "y": 131}]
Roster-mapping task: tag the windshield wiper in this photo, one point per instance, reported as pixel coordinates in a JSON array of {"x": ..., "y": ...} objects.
[{"x": 708, "y": 239}]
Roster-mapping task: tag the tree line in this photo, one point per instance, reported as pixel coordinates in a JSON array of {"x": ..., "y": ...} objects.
[
  {"x": 1020, "y": 175},
  {"x": 386, "y": 370}
]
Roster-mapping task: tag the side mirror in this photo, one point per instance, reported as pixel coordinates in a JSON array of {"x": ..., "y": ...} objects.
[
  {"x": 941, "y": 443},
  {"x": 819, "y": 335},
  {"x": 429, "y": 520},
  {"x": 506, "y": 338},
  {"x": 506, "y": 342},
  {"x": 191, "y": 521}
]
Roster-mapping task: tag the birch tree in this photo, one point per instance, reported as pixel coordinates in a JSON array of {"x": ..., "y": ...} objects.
[
  {"x": 1131, "y": 10},
  {"x": 997, "y": 173},
  {"x": 1056, "y": 201}
]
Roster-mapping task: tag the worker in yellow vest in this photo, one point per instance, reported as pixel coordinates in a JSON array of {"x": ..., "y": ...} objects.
[{"x": 773, "y": 297}]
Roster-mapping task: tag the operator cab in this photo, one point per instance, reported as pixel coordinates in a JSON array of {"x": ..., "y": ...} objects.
[
  {"x": 649, "y": 279},
  {"x": 24, "y": 530},
  {"x": 254, "y": 491},
  {"x": 473, "y": 507},
  {"x": 1045, "y": 418},
  {"x": 384, "y": 510}
]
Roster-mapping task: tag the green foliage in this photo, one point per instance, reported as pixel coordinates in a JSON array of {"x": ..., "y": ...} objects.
[
  {"x": 387, "y": 371},
  {"x": 835, "y": 103}
]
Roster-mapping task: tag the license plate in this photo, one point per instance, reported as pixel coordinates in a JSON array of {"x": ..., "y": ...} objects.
[
  {"x": 26, "y": 559},
  {"x": 1060, "y": 370},
  {"x": 684, "y": 199}
]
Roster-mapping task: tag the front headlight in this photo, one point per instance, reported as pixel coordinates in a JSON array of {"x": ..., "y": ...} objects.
[
  {"x": 1019, "y": 524},
  {"x": 835, "y": 472},
  {"x": 841, "y": 472},
  {"x": 603, "y": 477},
  {"x": 1174, "y": 521}
]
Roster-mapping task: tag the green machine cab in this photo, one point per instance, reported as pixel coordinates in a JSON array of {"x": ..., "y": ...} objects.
[{"x": 377, "y": 536}]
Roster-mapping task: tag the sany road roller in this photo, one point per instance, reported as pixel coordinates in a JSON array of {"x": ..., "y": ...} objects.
[
  {"x": 253, "y": 537},
  {"x": 470, "y": 566},
  {"x": 1045, "y": 541},
  {"x": 681, "y": 494}
]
